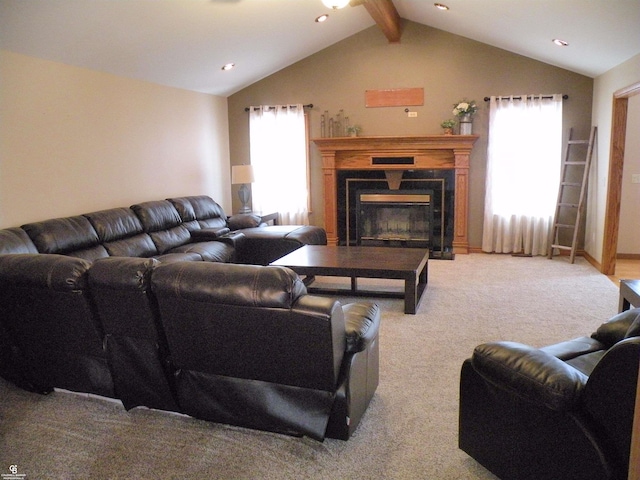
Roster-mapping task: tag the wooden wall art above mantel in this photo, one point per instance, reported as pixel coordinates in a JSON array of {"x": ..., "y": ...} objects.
[{"x": 394, "y": 97}]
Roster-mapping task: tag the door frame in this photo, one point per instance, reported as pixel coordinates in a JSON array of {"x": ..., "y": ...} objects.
[{"x": 614, "y": 188}]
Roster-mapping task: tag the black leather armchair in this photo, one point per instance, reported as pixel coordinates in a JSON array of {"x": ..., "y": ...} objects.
[{"x": 560, "y": 412}]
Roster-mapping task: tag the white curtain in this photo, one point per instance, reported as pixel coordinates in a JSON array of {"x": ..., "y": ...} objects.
[
  {"x": 523, "y": 173},
  {"x": 278, "y": 151}
]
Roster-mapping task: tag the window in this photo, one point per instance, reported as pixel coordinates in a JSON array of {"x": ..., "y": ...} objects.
[
  {"x": 278, "y": 147},
  {"x": 523, "y": 173}
]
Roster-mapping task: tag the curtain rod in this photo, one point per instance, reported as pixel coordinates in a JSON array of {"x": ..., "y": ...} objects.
[
  {"x": 310, "y": 105},
  {"x": 519, "y": 97}
]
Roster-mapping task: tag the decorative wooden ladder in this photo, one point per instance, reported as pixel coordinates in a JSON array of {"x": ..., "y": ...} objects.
[{"x": 565, "y": 208}]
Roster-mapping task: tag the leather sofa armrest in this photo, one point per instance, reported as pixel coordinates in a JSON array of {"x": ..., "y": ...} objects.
[
  {"x": 529, "y": 373},
  {"x": 224, "y": 235},
  {"x": 362, "y": 323},
  {"x": 616, "y": 328},
  {"x": 574, "y": 348},
  {"x": 243, "y": 220},
  {"x": 235, "y": 239},
  {"x": 206, "y": 234}
]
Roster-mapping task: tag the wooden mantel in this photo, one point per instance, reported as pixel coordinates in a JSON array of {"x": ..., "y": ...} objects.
[{"x": 428, "y": 152}]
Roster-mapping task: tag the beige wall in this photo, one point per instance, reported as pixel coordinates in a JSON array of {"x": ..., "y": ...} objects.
[
  {"x": 74, "y": 140},
  {"x": 624, "y": 75},
  {"x": 447, "y": 66}
]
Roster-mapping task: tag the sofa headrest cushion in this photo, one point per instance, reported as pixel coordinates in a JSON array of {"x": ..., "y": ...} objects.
[
  {"x": 198, "y": 207},
  {"x": 122, "y": 273},
  {"x": 206, "y": 207},
  {"x": 115, "y": 224},
  {"x": 157, "y": 215},
  {"x": 618, "y": 327},
  {"x": 16, "y": 240},
  {"x": 184, "y": 208},
  {"x": 228, "y": 284},
  {"x": 62, "y": 235},
  {"x": 53, "y": 272}
]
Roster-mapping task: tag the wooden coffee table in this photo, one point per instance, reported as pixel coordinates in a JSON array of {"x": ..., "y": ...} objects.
[
  {"x": 629, "y": 294},
  {"x": 408, "y": 264}
]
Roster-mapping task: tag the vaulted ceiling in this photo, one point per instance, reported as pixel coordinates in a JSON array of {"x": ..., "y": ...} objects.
[{"x": 184, "y": 43}]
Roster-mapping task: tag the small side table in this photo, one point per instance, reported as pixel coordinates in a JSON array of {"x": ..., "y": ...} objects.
[
  {"x": 629, "y": 294},
  {"x": 269, "y": 217}
]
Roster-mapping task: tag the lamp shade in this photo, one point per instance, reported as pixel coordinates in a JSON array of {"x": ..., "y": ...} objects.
[{"x": 242, "y": 174}]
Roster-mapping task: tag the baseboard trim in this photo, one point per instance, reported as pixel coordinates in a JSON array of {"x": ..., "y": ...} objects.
[
  {"x": 592, "y": 261},
  {"x": 628, "y": 256},
  {"x": 579, "y": 253}
]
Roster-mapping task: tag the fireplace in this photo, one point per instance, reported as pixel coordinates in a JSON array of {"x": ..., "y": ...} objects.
[
  {"x": 401, "y": 218},
  {"x": 425, "y": 162}
]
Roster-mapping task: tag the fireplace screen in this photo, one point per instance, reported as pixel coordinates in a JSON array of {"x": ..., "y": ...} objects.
[{"x": 395, "y": 218}]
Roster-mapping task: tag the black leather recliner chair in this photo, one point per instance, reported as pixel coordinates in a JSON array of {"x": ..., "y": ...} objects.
[
  {"x": 251, "y": 348},
  {"x": 50, "y": 326},
  {"x": 134, "y": 342},
  {"x": 559, "y": 412}
]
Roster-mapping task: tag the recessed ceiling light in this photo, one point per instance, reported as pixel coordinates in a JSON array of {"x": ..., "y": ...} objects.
[
  {"x": 322, "y": 18},
  {"x": 560, "y": 43},
  {"x": 228, "y": 66},
  {"x": 440, "y": 6}
]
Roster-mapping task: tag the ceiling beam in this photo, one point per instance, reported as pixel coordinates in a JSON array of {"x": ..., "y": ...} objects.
[{"x": 385, "y": 15}]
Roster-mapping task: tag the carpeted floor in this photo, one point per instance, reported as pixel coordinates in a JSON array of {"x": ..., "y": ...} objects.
[{"x": 408, "y": 432}]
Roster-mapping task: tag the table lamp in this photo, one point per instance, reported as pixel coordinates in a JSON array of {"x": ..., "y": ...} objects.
[{"x": 243, "y": 175}]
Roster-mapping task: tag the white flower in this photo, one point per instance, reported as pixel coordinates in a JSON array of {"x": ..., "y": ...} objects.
[{"x": 464, "y": 108}]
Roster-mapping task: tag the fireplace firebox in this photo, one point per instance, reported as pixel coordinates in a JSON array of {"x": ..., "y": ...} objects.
[
  {"x": 401, "y": 218},
  {"x": 435, "y": 233}
]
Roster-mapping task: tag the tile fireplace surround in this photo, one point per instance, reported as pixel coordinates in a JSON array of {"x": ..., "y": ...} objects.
[{"x": 413, "y": 152}]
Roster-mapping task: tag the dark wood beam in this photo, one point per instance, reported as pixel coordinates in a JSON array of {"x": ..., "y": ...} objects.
[{"x": 385, "y": 15}]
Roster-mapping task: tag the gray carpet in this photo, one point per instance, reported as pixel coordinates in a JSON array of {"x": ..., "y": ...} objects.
[{"x": 408, "y": 432}]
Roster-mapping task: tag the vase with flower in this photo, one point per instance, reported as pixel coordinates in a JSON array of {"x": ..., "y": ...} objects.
[{"x": 465, "y": 110}]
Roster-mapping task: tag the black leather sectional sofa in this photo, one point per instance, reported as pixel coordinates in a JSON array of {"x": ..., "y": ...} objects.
[
  {"x": 169, "y": 305},
  {"x": 564, "y": 411},
  {"x": 186, "y": 228}
]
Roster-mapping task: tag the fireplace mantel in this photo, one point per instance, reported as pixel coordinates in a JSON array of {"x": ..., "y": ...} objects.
[{"x": 427, "y": 151}]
